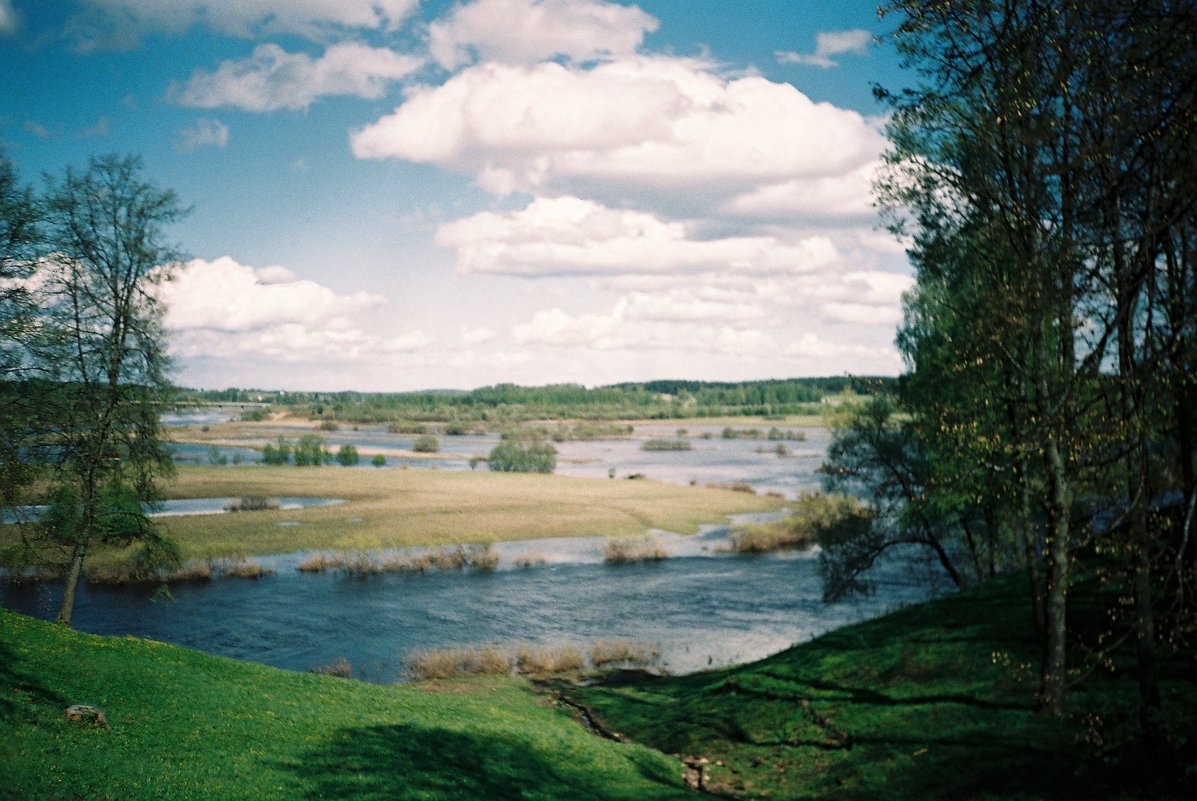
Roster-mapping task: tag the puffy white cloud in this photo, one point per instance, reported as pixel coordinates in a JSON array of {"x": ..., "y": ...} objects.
[
  {"x": 527, "y": 31},
  {"x": 844, "y": 197},
  {"x": 223, "y": 295},
  {"x": 828, "y": 44},
  {"x": 272, "y": 79},
  {"x": 555, "y": 236},
  {"x": 203, "y": 133},
  {"x": 225, "y": 310},
  {"x": 107, "y": 23},
  {"x": 666, "y": 124}
]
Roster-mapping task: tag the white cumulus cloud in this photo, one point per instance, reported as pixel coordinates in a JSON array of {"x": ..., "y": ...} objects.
[
  {"x": 223, "y": 295},
  {"x": 222, "y": 309},
  {"x": 829, "y": 44},
  {"x": 272, "y": 79},
  {"x": 527, "y": 31},
  {"x": 637, "y": 124},
  {"x": 569, "y": 235}
]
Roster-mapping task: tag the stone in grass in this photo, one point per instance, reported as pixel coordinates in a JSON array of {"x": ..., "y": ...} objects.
[{"x": 87, "y": 714}]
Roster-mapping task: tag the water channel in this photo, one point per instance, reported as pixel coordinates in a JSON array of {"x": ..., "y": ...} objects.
[{"x": 702, "y": 607}]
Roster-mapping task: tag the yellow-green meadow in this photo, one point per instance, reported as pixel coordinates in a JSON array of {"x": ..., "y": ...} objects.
[{"x": 396, "y": 508}]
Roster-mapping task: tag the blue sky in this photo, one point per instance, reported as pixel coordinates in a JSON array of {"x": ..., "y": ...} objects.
[{"x": 394, "y": 195}]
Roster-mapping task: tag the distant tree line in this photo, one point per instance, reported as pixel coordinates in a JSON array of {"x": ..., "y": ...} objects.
[{"x": 512, "y": 403}]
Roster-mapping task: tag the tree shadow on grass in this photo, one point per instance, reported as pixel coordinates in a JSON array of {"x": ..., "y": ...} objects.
[
  {"x": 409, "y": 761},
  {"x": 20, "y": 692}
]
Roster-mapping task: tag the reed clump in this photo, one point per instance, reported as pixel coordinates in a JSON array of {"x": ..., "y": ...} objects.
[
  {"x": 626, "y": 653},
  {"x": 445, "y": 663},
  {"x": 625, "y": 550},
  {"x": 480, "y": 558},
  {"x": 321, "y": 562},
  {"x": 125, "y": 575},
  {"x": 529, "y": 559},
  {"x": 239, "y": 567},
  {"x": 542, "y": 661},
  {"x": 530, "y": 660}
]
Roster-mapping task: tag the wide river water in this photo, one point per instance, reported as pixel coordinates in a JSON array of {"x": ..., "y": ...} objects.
[{"x": 702, "y": 607}]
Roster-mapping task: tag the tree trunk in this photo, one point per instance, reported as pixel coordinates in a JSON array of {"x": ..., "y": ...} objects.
[
  {"x": 1034, "y": 577},
  {"x": 67, "y": 608},
  {"x": 1055, "y": 660},
  {"x": 1148, "y": 667}
]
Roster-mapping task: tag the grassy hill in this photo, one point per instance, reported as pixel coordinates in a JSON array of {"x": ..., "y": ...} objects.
[
  {"x": 186, "y": 725},
  {"x": 936, "y": 701}
]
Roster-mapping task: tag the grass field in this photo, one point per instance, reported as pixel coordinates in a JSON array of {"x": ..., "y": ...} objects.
[
  {"x": 933, "y": 702},
  {"x": 185, "y": 725},
  {"x": 394, "y": 508},
  {"x": 397, "y": 508}
]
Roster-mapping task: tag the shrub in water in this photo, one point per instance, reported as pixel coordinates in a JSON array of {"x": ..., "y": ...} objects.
[
  {"x": 309, "y": 451},
  {"x": 511, "y": 456},
  {"x": 425, "y": 443},
  {"x": 379, "y": 460},
  {"x": 347, "y": 456}
]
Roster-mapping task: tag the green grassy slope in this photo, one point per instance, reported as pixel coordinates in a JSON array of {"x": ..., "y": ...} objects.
[
  {"x": 933, "y": 702},
  {"x": 186, "y": 725}
]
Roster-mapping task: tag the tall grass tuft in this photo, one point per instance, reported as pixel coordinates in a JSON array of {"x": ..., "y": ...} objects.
[
  {"x": 625, "y": 550},
  {"x": 542, "y": 661},
  {"x": 239, "y": 567},
  {"x": 445, "y": 663},
  {"x": 530, "y": 660},
  {"x": 482, "y": 558},
  {"x": 320, "y": 562},
  {"x": 626, "y": 653}
]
